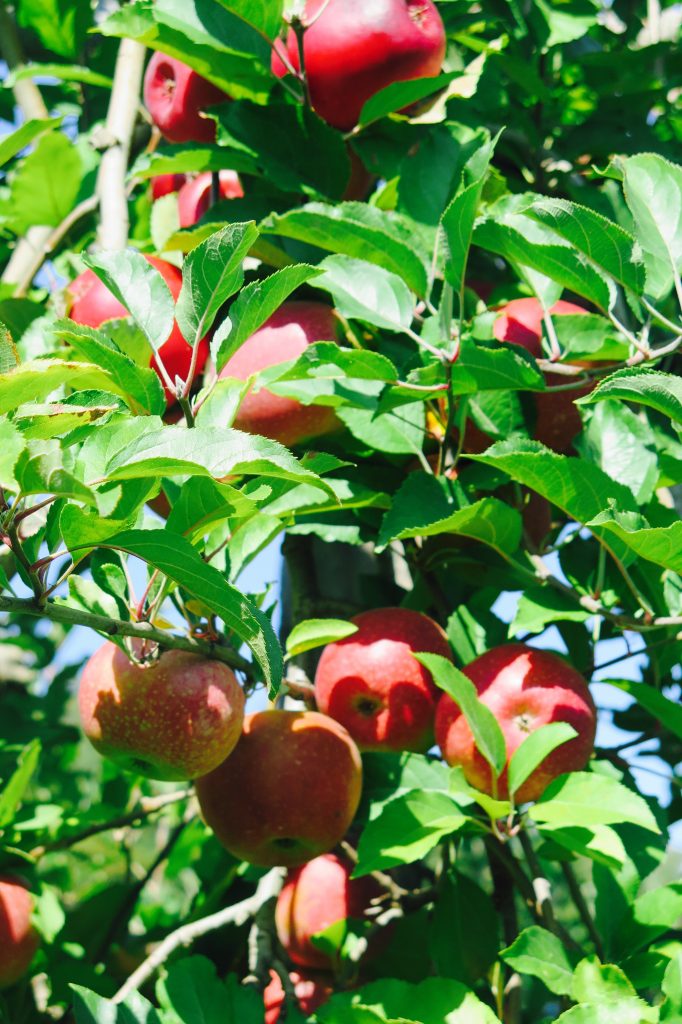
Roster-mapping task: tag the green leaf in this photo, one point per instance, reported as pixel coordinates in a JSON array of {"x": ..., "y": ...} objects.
[
  {"x": 653, "y": 192},
  {"x": 33, "y": 381},
  {"x": 46, "y": 185},
  {"x": 203, "y": 503},
  {"x": 595, "y": 982},
  {"x": 460, "y": 216},
  {"x": 651, "y": 915},
  {"x": 14, "y": 789},
  {"x": 503, "y": 368},
  {"x": 588, "y": 798},
  {"x": 541, "y": 954},
  {"x": 405, "y": 829},
  {"x": 465, "y": 929},
  {"x": 312, "y": 633},
  {"x": 623, "y": 444},
  {"x": 534, "y": 749},
  {"x": 62, "y": 72},
  {"x": 661, "y": 545},
  {"x": 12, "y": 444},
  {"x": 387, "y": 775},
  {"x": 487, "y": 734},
  {"x": 264, "y": 15},
  {"x": 357, "y": 230},
  {"x": 622, "y": 1011},
  {"x": 191, "y": 993},
  {"x": 211, "y": 273},
  {"x": 14, "y": 142},
  {"x": 61, "y": 25},
  {"x": 600, "y": 843},
  {"x": 400, "y": 432},
  {"x": 426, "y": 506},
  {"x": 667, "y": 713},
  {"x": 89, "y": 1008},
  {"x": 363, "y": 291},
  {"x": 658, "y": 390},
  {"x": 539, "y": 606},
  {"x": 398, "y": 95},
  {"x": 331, "y": 375},
  {"x": 432, "y": 1001},
  {"x": 671, "y": 1009}
]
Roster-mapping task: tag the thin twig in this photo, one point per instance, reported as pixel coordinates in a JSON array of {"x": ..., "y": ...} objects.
[{"x": 582, "y": 907}]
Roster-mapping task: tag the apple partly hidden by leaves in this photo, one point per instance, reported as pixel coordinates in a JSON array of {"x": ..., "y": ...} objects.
[
  {"x": 284, "y": 336},
  {"x": 372, "y": 684},
  {"x": 525, "y": 688},
  {"x": 310, "y": 991},
  {"x": 167, "y": 184},
  {"x": 354, "y": 48},
  {"x": 314, "y": 897},
  {"x": 175, "y": 719},
  {"x": 19, "y": 940},
  {"x": 175, "y": 96},
  {"x": 194, "y": 197},
  {"x": 92, "y": 304},
  {"x": 288, "y": 792}
]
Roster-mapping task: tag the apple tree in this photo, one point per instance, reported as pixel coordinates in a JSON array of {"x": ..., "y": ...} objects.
[{"x": 393, "y": 288}]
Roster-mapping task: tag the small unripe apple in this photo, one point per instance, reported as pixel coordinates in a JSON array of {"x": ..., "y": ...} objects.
[
  {"x": 310, "y": 990},
  {"x": 19, "y": 940},
  {"x": 166, "y": 185},
  {"x": 175, "y": 719},
  {"x": 314, "y": 897},
  {"x": 175, "y": 96},
  {"x": 288, "y": 792},
  {"x": 372, "y": 684},
  {"x": 194, "y": 198},
  {"x": 92, "y": 304},
  {"x": 525, "y": 688},
  {"x": 284, "y": 336},
  {"x": 354, "y": 48}
]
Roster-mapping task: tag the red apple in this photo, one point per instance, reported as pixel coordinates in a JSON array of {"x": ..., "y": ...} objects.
[
  {"x": 194, "y": 198},
  {"x": 167, "y": 184},
  {"x": 175, "y": 719},
  {"x": 92, "y": 304},
  {"x": 371, "y": 683},
  {"x": 314, "y": 897},
  {"x": 288, "y": 792},
  {"x": 284, "y": 336},
  {"x": 354, "y": 48},
  {"x": 18, "y": 938},
  {"x": 525, "y": 688},
  {"x": 175, "y": 95},
  {"x": 311, "y": 991}
]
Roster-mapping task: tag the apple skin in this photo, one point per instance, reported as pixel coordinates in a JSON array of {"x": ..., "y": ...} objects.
[
  {"x": 314, "y": 897},
  {"x": 176, "y": 719},
  {"x": 175, "y": 95},
  {"x": 311, "y": 991},
  {"x": 284, "y": 336},
  {"x": 19, "y": 940},
  {"x": 167, "y": 184},
  {"x": 525, "y": 688},
  {"x": 354, "y": 48},
  {"x": 194, "y": 198},
  {"x": 288, "y": 792},
  {"x": 92, "y": 304},
  {"x": 372, "y": 685}
]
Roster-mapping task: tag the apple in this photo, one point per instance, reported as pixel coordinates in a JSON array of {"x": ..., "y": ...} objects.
[
  {"x": 288, "y": 792},
  {"x": 354, "y": 48},
  {"x": 175, "y": 719},
  {"x": 167, "y": 184},
  {"x": 284, "y": 336},
  {"x": 92, "y": 304},
  {"x": 314, "y": 897},
  {"x": 371, "y": 683},
  {"x": 18, "y": 938},
  {"x": 194, "y": 198},
  {"x": 310, "y": 991},
  {"x": 525, "y": 688},
  {"x": 175, "y": 95},
  {"x": 360, "y": 181}
]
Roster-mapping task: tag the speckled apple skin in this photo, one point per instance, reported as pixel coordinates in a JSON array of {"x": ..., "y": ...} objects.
[
  {"x": 311, "y": 991},
  {"x": 284, "y": 336},
  {"x": 176, "y": 719},
  {"x": 288, "y": 792},
  {"x": 314, "y": 897},
  {"x": 194, "y": 197},
  {"x": 525, "y": 688},
  {"x": 371, "y": 683},
  {"x": 175, "y": 95},
  {"x": 354, "y": 48},
  {"x": 18, "y": 938},
  {"x": 92, "y": 304}
]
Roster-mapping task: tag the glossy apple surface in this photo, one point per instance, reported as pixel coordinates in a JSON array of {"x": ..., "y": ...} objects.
[
  {"x": 310, "y": 990},
  {"x": 194, "y": 198},
  {"x": 525, "y": 688},
  {"x": 284, "y": 336},
  {"x": 175, "y": 96},
  {"x": 167, "y": 184},
  {"x": 354, "y": 48},
  {"x": 372, "y": 684},
  {"x": 18, "y": 938},
  {"x": 175, "y": 719},
  {"x": 288, "y": 792}
]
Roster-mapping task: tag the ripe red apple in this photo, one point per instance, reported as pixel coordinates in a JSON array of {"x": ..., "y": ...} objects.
[
  {"x": 311, "y": 991},
  {"x": 18, "y": 938},
  {"x": 314, "y": 897},
  {"x": 284, "y": 336},
  {"x": 525, "y": 688},
  {"x": 288, "y": 792},
  {"x": 167, "y": 184},
  {"x": 194, "y": 198},
  {"x": 175, "y": 719},
  {"x": 175, "y": 95},
  {"x": 371, "y": 683},
  {"x": 92, "y": 304},
  {"x": 354, "y": 48}
]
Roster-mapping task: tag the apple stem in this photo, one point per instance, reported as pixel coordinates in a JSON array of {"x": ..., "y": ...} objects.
[{"x": 299, "y": 30}]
